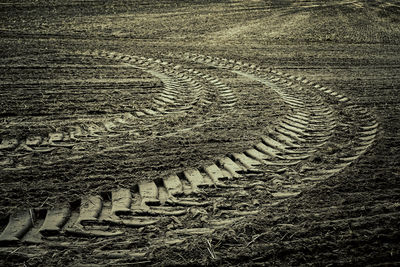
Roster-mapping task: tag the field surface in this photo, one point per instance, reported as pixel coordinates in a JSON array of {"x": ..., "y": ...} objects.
[{"x": 222, "y": 133}]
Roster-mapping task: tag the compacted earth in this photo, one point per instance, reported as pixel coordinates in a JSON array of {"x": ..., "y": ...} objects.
[{"x": 199, "y": 133}]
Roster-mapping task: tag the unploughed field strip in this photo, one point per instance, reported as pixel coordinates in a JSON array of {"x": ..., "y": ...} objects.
[{"x": 304, "y": 148}]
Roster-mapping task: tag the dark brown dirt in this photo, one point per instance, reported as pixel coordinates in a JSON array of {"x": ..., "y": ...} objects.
[{"x": 351, "y": 47}]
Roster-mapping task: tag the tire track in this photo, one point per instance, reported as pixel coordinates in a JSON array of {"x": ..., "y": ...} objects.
[
  {"x": 184, "y": 91},
  {"x": 304, "y": 148},
  {"x": 364, "y": 128}
]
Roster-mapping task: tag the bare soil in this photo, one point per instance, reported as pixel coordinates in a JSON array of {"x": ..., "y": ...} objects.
[{"x": 54, "y": 80}]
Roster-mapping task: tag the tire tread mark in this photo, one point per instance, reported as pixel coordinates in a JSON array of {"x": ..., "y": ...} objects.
[{"x": 273, "y": 152}]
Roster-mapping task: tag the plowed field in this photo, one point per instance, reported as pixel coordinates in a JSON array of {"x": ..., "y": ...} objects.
[{"x": 199, "y": 133}]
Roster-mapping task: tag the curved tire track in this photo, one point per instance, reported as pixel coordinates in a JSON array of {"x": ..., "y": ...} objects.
[
  {"x": 184, "y": 91},
  {"x": 304, "y": 148}
]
